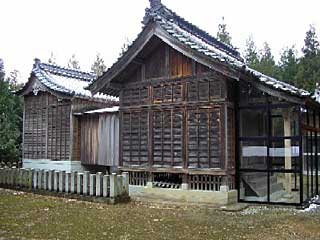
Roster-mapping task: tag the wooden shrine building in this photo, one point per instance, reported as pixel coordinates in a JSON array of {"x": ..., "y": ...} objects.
[
  {"x": 51, "y": 132},
  {"x": 194, "y": 116}
]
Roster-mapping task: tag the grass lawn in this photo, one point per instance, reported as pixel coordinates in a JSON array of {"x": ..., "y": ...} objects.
[{"x": 29, "y": 216}]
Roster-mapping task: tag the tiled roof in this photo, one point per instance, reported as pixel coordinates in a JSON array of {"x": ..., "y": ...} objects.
[
  {"x": 202, "y": 42},
  {"x": 67, "y": 81}
]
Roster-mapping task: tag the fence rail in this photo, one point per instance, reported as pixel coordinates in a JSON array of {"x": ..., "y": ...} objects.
[{"x": 96, "y": 185}]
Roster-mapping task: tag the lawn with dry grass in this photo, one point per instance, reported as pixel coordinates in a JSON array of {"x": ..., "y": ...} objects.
[{"x": 29, "y": 216}]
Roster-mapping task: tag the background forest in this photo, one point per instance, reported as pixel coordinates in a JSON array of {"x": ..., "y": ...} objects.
[{"x": 300, "y": 68}]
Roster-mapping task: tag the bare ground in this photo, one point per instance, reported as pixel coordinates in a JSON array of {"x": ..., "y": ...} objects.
[{"x": 29, "y": 216}]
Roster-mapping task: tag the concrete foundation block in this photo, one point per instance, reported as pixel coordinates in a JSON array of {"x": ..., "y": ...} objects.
[
  {"x": 224, "y": 188},
  {"x": 184, "y": 186},
  {"x": 99, "y": 184},
  {"x": 149, "y": 185},
  {"x": 105, "y": 183}
]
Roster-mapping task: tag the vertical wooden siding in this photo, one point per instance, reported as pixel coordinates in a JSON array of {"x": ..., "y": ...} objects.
[
  {"x": 176, "y": 120},
  {"x": 100, "y": 139},
  {"x": 46, "y": 127}
]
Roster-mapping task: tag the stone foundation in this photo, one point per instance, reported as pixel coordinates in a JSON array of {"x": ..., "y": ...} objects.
[
  {"x": 45, "y": 164},
  {"x": 215, "y": 198}
]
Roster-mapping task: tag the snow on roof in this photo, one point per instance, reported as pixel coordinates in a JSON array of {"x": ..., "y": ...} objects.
[
  {"x": 67, "y": 81},
  {"x": 104, "y": 110},
  {"x": 202, "y": 42}
]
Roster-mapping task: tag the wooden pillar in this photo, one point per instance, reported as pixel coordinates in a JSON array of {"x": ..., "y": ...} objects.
[{"x": 287, "y": 145}]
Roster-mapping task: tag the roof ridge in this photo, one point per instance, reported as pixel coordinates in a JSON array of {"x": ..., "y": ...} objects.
[
  {"x": 64, "y": 71},
  {"x": 193, "y": 29}
]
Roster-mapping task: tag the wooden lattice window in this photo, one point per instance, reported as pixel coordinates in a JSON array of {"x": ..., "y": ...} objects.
[
  {"x": 205, "y": 89},
  {"x": 168, "y": 137},
  {"x": 135, "y": 138},
  {"x": 204, "y": 142},
  {"x": 167, "y": 93},
  {"x": 136, "y": 96}
]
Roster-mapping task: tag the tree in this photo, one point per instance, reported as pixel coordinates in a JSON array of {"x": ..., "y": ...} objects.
[
  {"x": 2, "y": 72},
  {"x": 125, "y": 46},
  {"x": 98, "y": 66},
  {"x": 223, "y": 35},
  {"x": 308, "y": 74},
  {"x": 288, "y": 65},
  {"x": 10, "y": 120},
  {"x": 311, "y": 43},
  {"x": 266, "y": 63},
  {"x": 52, "y": 59},
  {"x": 251, "y": 53},
  {"x": 73, "y": 62}
]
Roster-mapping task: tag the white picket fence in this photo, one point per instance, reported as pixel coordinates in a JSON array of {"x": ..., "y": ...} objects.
[{"x": 86, "y": 184}]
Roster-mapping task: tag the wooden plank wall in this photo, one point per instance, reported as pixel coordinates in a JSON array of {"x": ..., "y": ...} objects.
[
  {"x": 176, "y": 116},
  {"x": 46, "y": 127},
  {"x": 100, "y": 139}
]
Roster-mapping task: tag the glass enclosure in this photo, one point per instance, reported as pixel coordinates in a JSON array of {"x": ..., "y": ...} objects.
[{"x": 278, "y": 149}]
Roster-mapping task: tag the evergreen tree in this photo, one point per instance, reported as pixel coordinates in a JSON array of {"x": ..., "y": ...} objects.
[
  {"x": 250, "y": 53},
  {"x": 125, "y": 46},
  {"x": 73, "y": 62},
  {"x": 52, "y": 59},
  {"x": 2, "y": 72},
  {"x": 223, "y": 35},
  {"x": 98, "y": 67},
  {"x": 266, "y": 63},
  {"x": 288, "y": 65},
  {"x": 10, "y": 120},
  {"x": 311, "y": 43},
  {"x": 308, "y": 74}
]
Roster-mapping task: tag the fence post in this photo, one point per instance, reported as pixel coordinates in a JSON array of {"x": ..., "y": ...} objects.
[
  {"x": 73, "y": 187},
  {"x": 126, "y": 182},
  {"x": 50, "y": 180},
  {"x": 61, "y": 181},
  {"x": 30, "y": 177},
  {"x": 1, "y": 174},
  {"x": 67, "y": 182},
  {"x": 120, "y": 185},
  {"x": 92, "y": 184},
  {"x": 105, "y": 185},
  {"x": 45, "y": 179},
  {"x": 113, "y": 185},
  {"x": 98, "y": 184},
  {"x": 85, "y": 182},
  {"x": 13, "y": 176},
  {"x": 56, "y": 181},
  {"x": 79, "y": 183},
  {"x": 40, "y": 177},
  {"x": 20, "y": 177},
  {"x": 35, "y": 179}
]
